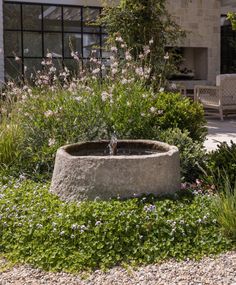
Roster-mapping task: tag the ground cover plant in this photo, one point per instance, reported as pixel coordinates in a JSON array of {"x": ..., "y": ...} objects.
[
  {"x": 222, "y": 163},
  {"x": 225, "y": 208},
  {"x": 37, "y": 228}
]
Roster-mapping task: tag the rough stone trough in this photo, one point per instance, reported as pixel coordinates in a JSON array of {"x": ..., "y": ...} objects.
[{"x": 86, "y": 170}]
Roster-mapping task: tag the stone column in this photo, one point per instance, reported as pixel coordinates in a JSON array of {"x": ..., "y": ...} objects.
[{"x": 1, "y": 44}]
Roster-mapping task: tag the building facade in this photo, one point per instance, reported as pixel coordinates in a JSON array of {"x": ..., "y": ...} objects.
[{"x": 31, "y": 28}]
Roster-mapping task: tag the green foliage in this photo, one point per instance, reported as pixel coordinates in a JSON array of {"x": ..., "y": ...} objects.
[
  {"x": 192, "y": 153},
  {"x": 138, "y": 22},
  {"x": 225, "y": 209},
  {"x": 51, "y": 119},
  {"x": 232, "y": 18},
  {"x": 222, "y": 162},
  {"x": 37, "y": 228},
  {"x": 182, "y": 113},
  {"x": 10, "y": 139}
]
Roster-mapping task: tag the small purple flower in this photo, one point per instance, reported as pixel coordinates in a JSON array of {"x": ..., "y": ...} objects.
[{"x": 150, "y": 208}]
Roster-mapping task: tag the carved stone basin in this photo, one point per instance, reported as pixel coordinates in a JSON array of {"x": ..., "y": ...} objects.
[{"x": 87, "y": 171}]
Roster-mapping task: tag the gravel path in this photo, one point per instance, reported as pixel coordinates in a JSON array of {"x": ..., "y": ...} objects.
[{"x": 216, "y": 271}]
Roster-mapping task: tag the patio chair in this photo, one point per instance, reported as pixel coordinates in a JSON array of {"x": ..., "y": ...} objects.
[{"x": 221, "y": 98}]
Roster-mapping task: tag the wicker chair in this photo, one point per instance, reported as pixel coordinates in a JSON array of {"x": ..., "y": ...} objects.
[{"x": 221, "y": 98}]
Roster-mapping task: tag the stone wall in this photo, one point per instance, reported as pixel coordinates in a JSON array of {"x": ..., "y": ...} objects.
[{"x": 201, "y": 20}]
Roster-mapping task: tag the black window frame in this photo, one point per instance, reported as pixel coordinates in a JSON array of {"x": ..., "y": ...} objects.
[{"x": 22, "y": 30}]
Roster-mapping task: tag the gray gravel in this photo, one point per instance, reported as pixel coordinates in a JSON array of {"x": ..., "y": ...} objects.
[{"x": 220, "y": 270}]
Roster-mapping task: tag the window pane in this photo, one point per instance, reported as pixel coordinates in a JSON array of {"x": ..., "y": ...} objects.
[
  {"x": 12, "y": 16},
  {"x": 91, "y": 42},
  {"x": 32, "y": 65},
  {"x": 72, "y": 19},
  {"x": 89, "y": 17},
  {"x": 53, "y": 44},
  {"x": 32, "y": 17},
  {"x": 12, "y": 69},
  {"x": 32, "y": 44},
  {"x": 105, "y": 51},
  {"x": 52, "y": 18},
  {"x": 12, "y": 43},
  {"x": 72, "y": 42},
  {"x": 72, "y": 65}
]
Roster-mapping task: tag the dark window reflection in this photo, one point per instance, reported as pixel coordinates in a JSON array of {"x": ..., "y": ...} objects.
[
  {"x": 12, "y": 16},
  {"x": 91, "y": 42},
  {"x": 89, "y": 17},
  {"x": 32, "y": 17},
  {"x": 12, "y": 43},
  {"x": 32, "y": 44},
  {"x": 33, "y": 30},
  {"x": 52, "y": 18},
  {"x": 72, "y": 19},
  {"x": 53, "y": 44}
]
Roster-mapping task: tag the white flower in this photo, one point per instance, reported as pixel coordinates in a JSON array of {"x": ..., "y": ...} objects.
[
  {"x": 96, "y": 71},
  {"x": 75, "y": 55},
  {"x": 114, "y": 64},
  {"x": 114, "y": 49},
  {"x": 52, "y": 69},
  {"x": 17, "y": 58},
  {"x": 161, "y": 90},
  {"x": 49, "y": 55},
  {"x": 153, "y": 109},
  {"x": 141, "y": 56},
  {"x": 51, "y": 142},
  {"x": 78, "y": 98},
  {"x": 166, "y": 57},
  {"x": 74, "y": 227},
  {"x": 114, "y": 71},
  {"x": 128, "y": 56},
  {"x": 124, "y": 81},
  {"x": 98, "y": 223},
  {"x": 93, "y": 59},
  {"x": 104, "y": 95},
  {"x": 151, "y": 41},
  {"x": 139, "y": 71},
  {"x": 48, "y": 113},
  {"x": 146, "y": 50},
  {"x": 119, "y": 39}
]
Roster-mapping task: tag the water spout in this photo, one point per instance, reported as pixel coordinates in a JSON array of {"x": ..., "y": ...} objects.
[{"x": 113, "y": 145}]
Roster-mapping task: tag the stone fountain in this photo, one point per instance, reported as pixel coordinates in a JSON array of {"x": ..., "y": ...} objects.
[{"x": 123, "y": 168}]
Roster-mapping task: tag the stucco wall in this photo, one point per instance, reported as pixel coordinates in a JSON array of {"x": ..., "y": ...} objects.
[{"x": 201, "y": 20}]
